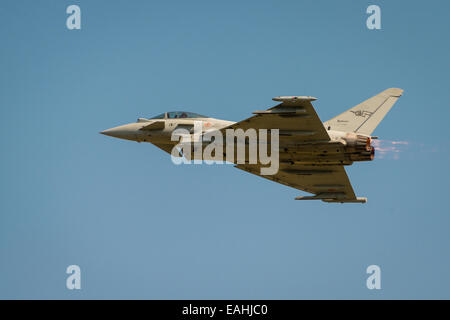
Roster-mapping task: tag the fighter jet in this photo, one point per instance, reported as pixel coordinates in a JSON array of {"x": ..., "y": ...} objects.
[{"x": 312, "y": 154}]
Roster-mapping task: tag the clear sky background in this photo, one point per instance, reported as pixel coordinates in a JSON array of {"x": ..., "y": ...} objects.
[{"x": 141, "y": 227}]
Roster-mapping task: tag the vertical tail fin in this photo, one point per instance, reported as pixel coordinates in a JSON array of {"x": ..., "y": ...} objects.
[{"x": 366, "y": 116}]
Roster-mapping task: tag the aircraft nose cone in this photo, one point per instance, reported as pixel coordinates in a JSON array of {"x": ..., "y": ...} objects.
[
  {"x": 127, "y": 132},
  {"x": 109, "y": 132}
]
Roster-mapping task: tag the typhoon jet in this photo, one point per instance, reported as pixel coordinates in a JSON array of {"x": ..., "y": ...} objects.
[{"x": 312, "y": 153}]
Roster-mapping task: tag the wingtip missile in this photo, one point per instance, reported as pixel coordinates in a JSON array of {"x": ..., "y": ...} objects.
[
  {"x": 294, "y": 98},
  {"x": 333, "y": 198}
]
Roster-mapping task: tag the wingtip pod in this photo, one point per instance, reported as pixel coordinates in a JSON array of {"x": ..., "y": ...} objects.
[
  {"x": 356, "y": 200},
  {"x": 333, "y": 198},
  {"x": 294, "y": 98}
]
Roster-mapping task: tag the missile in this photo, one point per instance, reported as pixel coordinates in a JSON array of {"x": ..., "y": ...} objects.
[
  {"x": 294, "y": 98},
  {"x": 333, "y": 197}
]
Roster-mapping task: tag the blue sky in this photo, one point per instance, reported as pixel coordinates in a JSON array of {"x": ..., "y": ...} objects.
[{"x": 141, "y": 227}]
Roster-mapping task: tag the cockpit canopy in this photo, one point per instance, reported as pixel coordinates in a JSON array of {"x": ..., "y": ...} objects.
[{"x": 178, "y": 115}]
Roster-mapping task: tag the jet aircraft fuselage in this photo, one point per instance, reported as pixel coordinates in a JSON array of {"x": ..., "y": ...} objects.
[{"x": 311, "y": 153}]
